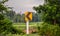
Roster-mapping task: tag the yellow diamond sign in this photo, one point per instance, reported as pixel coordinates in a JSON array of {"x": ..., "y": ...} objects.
[{"x": 28, "y": 16}]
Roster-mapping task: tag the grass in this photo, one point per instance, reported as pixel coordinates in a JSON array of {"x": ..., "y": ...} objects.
[
  {"x": 22, "y": 26},
  {"x": 44, "y": 29},
  {"x": 22, "y": 35}
]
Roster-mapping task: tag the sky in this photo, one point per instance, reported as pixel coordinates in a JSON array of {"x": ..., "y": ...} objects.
[{"x": 23, "y": 5}]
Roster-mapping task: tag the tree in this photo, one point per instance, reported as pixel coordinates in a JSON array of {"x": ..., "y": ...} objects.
[
  {"x": 11, "y": 15},
  {"x": 35, "y": 18},
  {"x": 50, "y": 11},
  {"x": 5, "y": 24}
]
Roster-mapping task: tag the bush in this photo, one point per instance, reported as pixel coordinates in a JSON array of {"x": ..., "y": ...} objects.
[
  {"x": 5, "y": 26},
  {"x": 48, "y": 30},
  {"x": 15, "y": 31}
]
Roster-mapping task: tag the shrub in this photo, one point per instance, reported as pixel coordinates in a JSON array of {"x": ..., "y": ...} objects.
[
  {"x": 15, "y": 31},
  {"x": 5, "y": 26},
  {"x": 48, "y": 30}
]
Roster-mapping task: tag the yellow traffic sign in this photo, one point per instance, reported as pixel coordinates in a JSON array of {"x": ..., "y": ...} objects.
[{"x": 28, "y": 16}]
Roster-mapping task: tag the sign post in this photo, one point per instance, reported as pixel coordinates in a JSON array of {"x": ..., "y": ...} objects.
[
  {"x": 28, "y": 17},
  {"x": 27, "y": 24}
]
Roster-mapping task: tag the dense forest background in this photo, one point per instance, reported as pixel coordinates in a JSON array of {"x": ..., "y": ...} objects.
[{"x": 17, "y": 18}]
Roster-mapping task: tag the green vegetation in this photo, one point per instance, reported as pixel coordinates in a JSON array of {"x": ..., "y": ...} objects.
[
  {"x": 5, "y": 24},
  {"x": 50, "y": 14},
  {"x": 43, "y": 29},
  {"x": 50, "y": 11},
  {"x": 46, "y": 29}
]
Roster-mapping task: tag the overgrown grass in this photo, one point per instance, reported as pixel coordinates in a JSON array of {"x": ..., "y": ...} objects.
[
  {"x": 43, "y": 28},
  {"x": 22, "y": 35},
  {"x": 22, "y": 26}
]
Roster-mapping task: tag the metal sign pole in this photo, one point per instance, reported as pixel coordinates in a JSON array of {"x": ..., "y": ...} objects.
[{"x": 27, "y": 27}]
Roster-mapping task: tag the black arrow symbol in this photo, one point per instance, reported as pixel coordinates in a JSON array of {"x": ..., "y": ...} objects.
[{"x": 28, "y": 15}]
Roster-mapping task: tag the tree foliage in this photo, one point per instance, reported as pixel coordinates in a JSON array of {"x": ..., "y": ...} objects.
[
  {"x": 5, "y": 24},
  {"x": 50, "y": 11}
]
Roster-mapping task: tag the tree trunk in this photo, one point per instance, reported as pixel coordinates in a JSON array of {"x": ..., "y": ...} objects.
[{"x": 54, "y": 22}]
